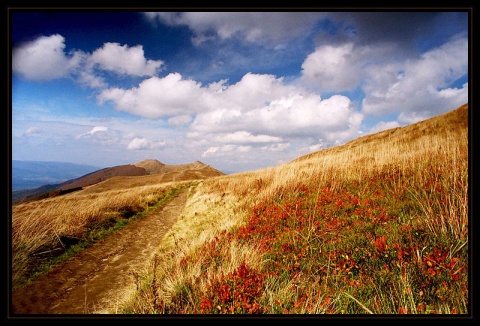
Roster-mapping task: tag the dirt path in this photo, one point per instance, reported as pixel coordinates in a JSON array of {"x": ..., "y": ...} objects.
[{"x": 97, "y": 278}]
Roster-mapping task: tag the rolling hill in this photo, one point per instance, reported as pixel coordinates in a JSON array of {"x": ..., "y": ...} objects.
[{"x": 152, "y": 171}]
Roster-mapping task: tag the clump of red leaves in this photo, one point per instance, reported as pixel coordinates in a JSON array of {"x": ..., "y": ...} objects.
[
  {"x": 356, "y": 237},
  {"x": 234, "y": 293}
]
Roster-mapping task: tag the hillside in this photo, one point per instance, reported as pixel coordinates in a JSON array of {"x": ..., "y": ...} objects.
[
  {"x": 379, "y": 225},
  {"x": 449, "y": 122},
  {"x": 152, "y": 171}
]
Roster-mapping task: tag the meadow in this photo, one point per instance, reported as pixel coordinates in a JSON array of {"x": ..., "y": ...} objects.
[{"x": 379, "y": 225}]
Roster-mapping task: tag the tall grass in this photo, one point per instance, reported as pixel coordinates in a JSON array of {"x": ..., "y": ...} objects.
[
  {"x": 44, "y": 229},
  {"x": 376, "y": 226}
]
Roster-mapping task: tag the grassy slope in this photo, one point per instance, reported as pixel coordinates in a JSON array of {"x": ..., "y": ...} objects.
[{"x": 378, "y": 225}]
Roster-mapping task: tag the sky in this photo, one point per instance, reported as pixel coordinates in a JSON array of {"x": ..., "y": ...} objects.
[{"x": 239, "y": 91}]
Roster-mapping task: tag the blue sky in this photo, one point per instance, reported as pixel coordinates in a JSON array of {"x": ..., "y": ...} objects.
[{"x": 236, "y": 90}]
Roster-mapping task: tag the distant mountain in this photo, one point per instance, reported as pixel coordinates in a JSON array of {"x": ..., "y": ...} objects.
[
  {"x": 34, "y": 174},
  {"x": 155, "y": 166},
  {"x": 162, "y": 173}
]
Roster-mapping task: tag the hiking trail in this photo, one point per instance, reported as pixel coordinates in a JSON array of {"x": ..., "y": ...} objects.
[{"x": 99, "y": 278}]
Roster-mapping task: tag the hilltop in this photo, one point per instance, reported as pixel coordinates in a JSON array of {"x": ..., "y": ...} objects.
[{"x": 147, "y": 171}]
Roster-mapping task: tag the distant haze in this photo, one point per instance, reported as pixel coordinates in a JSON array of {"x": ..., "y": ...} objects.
[{"x": 34, "y": 174}]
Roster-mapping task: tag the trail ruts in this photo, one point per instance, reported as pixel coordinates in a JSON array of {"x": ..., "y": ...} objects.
[{"x": 99, "y": 277}]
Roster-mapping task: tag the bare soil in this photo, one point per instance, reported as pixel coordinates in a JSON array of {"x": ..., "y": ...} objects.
[{"x": 100, "y": 277}]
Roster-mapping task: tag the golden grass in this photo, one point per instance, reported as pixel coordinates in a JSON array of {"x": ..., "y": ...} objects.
[
  {"x": 436, "y": 149},
  {"x": 414, "y": 153},
  {"x": 39, "y": 226}
]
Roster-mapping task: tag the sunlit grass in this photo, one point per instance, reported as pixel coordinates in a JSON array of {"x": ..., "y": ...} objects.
[
  {"x": 375, "y": 226},
  {"x": 49, "y": 231}
]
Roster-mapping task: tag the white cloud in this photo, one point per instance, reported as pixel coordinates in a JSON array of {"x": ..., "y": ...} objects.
[
  {"x": 276, "y": 147},
  {"x": 101, "y": 135},
  {"x": 43, "y": 59},
  {"x": 341, "y": 67},
  {"x": 294, "y": 116},
  {"x": 97, "y": 129},
  {"x": 243, "y": 137},
  {"x": 315, "y": 147},
  {"x": 382, "y": 125},
  {"x": 420, "y": 85},
  {"x": 244, "y": 148},
  {"x": 232, "y": 150},
  {"x": 271, "y": 28},
  {"x": 392, "y": 84},
  {"x": 453, "y": 92},
  {"x": 138, "y": 143},
  {"x": 157, "y": 97},
  {"x": 255, "y": 90},
  {"x": 333, "y": 68},
  {"x": 209, "y": 151},
  {"x": 257, "y": 109},
  {"x": 124, "y": 60},
  {"x": 180, "y": 120},
  {"x": 89, "y": 79}
]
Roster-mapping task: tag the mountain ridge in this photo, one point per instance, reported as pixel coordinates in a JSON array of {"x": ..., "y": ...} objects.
[{"x": 195, "y": 170}]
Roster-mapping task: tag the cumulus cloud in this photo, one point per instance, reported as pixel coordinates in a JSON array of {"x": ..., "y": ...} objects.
[
  {"x": 88, "y": 78},
  {"x": 341, "y": 67},
  {"x": 244, "y": 148},
  {"x": 270, "y": 28},
  {"x": 157, "y": 97},
  {"x": 43, "y": 59},
  {"x": 234, "y": 150},
  {"x": 98, "y": 129},
  {"x": 415, "y": 88},
  {"x": 259, "y": 108},
  {"x": 333, "y": 68},
  {"x": 276, "y": 147},
  {"x": 244, "y": 137},
  {"x": 210, "y": 150},
  {"x": 421, "y": 85},
  {"x": 142, "y": 143},
  {"x": 124, "y": 60},
  {"x": 138, "y": 143},
  {"x": 295, "y": 116},
  {"x": 180, "y": 120},
  {"x": 173, "y": 95},
  {"x": 101, "y": 135}
]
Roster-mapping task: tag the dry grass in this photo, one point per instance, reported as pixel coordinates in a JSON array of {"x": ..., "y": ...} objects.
[
  {"x": 417, "y": 176},
  {"x": 44, "y": 226},
  {"x": 201, "y": 247}
]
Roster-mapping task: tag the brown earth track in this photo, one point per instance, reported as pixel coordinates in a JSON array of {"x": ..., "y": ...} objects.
[{"x": 99, "y": 277}]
